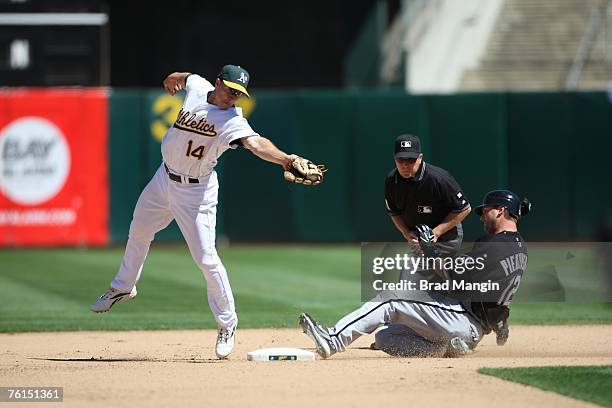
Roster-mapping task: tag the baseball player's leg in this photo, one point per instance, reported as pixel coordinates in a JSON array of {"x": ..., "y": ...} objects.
[
  {"x": 219, "y": 291},
  {"x": 194, "y": 209},
  {"x": 401, "y": 341},
  {"x": 151, "y": 215},
  {"x": 437, "y": 320},
  {"x": 362, "y": 321}
]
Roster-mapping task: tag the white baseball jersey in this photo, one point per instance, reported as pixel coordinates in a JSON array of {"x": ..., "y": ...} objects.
[
  {"x": 201, "y": 132},
  {"x": 191, "y": 148}
]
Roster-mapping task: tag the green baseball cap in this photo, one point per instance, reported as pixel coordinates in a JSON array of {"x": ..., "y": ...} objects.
[{"x": 235, "y": 77}]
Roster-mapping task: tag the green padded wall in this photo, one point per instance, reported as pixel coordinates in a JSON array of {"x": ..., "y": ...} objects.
[
  {"x": 126, "y": 163},
  {"x": 468, "y": 138},
  {"x": 552, "y": 147}
]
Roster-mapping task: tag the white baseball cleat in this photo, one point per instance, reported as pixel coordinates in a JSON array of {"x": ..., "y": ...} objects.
[
  {"x": 109, "y": 298},
  {"x": 225, "y": 341},
  {"x": 318, "y": 334}
]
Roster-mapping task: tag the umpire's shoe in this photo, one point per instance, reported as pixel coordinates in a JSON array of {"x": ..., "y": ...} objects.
[
  {"x": 318, "y": 334},
  {"x": 109, "y": 298}
]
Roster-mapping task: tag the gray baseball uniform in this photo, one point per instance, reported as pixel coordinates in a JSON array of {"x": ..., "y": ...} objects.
[{"x": 422, "y": 323}]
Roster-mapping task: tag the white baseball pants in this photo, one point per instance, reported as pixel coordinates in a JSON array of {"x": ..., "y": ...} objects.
[{"x": 194, "y": 207}]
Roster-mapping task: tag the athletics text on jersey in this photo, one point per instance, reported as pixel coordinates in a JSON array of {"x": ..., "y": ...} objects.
[{"x": 201, "y": 132}]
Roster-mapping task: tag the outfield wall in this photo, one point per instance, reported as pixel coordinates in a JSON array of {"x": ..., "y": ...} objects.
[{"x": 552, "y": 147}]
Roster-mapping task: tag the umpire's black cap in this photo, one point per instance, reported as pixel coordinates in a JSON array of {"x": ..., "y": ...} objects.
[
  {"x": 407, "y": 147},
  {"x": 505, "y": 198}
]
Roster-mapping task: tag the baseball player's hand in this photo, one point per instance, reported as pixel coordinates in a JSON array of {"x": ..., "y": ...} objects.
[
  {"x": 175, "y": 82},
  {"x": 302, "y": 171},
  {"x": 435, "y": 235},
  {"x": 411, "y": 237},
  {"x": 413, "y": 240},
  {"x": 502, "y": 332},
  {"x": 426, "y": 234},
  {"x": 427, "y": 240}
]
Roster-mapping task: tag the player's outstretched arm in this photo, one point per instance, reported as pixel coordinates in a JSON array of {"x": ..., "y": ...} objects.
[
  {"x": 266, "y": 150},
  {"x": 175, "y": 82},
  {"x": 298, "y": 170}
]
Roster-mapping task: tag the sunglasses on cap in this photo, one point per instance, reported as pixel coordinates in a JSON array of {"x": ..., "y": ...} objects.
[{"x": 232, "y": 91}]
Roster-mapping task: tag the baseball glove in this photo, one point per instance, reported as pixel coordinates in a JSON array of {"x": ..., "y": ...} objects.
[{"x": 302, "y": 171}]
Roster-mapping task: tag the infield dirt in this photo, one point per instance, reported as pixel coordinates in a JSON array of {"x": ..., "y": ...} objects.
[{"x": 178, "y": 368}]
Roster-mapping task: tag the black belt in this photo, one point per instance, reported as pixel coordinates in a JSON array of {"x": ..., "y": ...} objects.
[{"x": 179, "y": 179}]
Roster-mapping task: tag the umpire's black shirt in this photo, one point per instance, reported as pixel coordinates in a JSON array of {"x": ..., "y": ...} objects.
[{"x": 427, "y": 198}]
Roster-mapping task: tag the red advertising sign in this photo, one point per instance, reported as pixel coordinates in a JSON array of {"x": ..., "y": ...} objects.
[{"x": 53, "y": 167}]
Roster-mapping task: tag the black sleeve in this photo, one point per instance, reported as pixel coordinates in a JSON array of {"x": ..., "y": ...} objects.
[
  {"x": 489, "y": 314},
  {"x": 237, "y": 142},
  {"x": 452, "y": 195},
  {"x": 390, "y": 201}
]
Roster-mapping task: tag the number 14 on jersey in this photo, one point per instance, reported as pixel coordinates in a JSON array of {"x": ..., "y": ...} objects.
[{"x": 197, "y": 152}]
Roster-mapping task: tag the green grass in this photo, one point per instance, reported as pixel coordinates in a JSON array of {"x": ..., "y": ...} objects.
[
  {"x": 550, "y": 313},
  {"x": 51, "y": 289},
  {"x": 588, "y": 383}
]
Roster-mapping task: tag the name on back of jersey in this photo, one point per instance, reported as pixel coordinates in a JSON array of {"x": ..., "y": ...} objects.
[
  {"x": 514, "y": 263},
  {"x": 190, "y": 122}
]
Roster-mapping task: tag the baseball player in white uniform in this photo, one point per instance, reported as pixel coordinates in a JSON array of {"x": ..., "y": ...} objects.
[{"x": 185, "y": 188}]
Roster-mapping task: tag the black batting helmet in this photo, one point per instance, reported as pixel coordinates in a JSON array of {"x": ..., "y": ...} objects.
[{"x": 505, "y": 198}]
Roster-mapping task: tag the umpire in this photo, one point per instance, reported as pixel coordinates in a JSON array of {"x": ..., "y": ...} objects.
[{"x": 417, "y": 192}]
